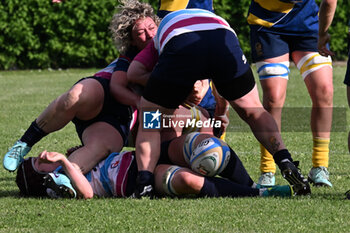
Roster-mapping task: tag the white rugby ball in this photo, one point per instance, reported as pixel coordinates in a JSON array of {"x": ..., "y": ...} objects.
[
  {"x": 189, "y": 145},
  {"x": 210, "y": 157}
]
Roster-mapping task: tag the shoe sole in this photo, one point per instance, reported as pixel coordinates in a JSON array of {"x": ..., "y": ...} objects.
[
  {"x": 62, "y": 190},
  {"x": 300, "y": 188},
  {"x": 318, "y": 184}
]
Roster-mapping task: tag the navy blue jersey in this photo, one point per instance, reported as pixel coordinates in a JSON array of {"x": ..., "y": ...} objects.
[{"x": 298, "y": 18}]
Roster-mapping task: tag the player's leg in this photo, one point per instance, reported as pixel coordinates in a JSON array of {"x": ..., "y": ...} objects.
[
  {"x": 148, "y": 146},
  {"x": 271, "y": 55},
  {"x": 178, "y": 181},
  {"x": 273, "y": 74},
  {"x": 169, "y": 84},
  {"x": 99, "y": 140},
  {"x": 84, "y": 100},
  {"x": 317, "y": 73},
  {"x": 239, "y": 88},
  {"x": 347, "y": 83}
]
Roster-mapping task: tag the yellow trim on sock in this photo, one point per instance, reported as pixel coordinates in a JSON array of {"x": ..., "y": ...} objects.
[
  {"x": 320, "y": 152},
  {"x": 267, "y": 163},
  {"x": 223, "y": 136}
]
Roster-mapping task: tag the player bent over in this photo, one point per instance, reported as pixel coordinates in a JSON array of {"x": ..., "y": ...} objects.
[{"x": 189, "y": 45}]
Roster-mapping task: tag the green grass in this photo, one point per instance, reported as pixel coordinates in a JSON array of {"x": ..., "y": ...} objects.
[{"x": 24, "y": 94}]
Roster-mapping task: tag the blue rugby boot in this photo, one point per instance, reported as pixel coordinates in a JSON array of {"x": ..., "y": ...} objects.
[
  {"x": 15, "y": 155},
  {"x": 278, "y": 191},
  {"x": 267, "y": 179},
  {"x": 319, "y": 176},
  {"x": 59, "y": 186}
]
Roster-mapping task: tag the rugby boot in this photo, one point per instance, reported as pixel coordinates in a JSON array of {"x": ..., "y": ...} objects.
[
  {"x": 15, "y": 155},
  {"x": 144, "y": 185},
  {"x": 319, "y": 176},
  {"x": 59, "y": 186},
  {"x": 292, "y": 174},
  {"x": 267, "y": 179}
]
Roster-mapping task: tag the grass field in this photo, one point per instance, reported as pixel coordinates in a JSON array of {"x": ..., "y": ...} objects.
[{"x": 24, "y": 94}]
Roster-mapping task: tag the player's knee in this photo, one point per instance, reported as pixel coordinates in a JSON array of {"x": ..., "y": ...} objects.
[
  {"x": 327, "y": 93},
  {"x": 174, "y": 180},
  {"x": 184, "y": 179},
  {"x": 322, "y": 94},
  {"x": 168, "y": 180},
  {"x": 312, "y": 62},
  {"x": 68, "y": 100},
  {"x": 272, "y": 70},
  {"x": 274, "y": 98}
]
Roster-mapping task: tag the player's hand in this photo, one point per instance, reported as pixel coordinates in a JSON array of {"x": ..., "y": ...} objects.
[
  {"x": 50, "y": 157},
  {"x": 224, "y": 124},
  {"x": 323, "y": 40},
  {"x": 199, "y": 90}
]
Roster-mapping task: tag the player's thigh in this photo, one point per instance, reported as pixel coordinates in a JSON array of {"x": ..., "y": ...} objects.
[
  {"x": 102, "y": 134},
  {"x": 317, "y": 73},
  {"x": 99, "y": 140},
  {"x": 88, "y": 95},
  {"x": 267, "y": 45}
]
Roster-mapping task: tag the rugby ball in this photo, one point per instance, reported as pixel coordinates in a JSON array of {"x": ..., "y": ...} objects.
[
  {"x": 189, "y": 146},
  {"x": 210, "y": 157}
]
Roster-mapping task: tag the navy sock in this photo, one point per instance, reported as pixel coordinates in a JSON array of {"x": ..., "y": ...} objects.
[
  {"x": 145, "y": 178},
  {"x": 33, "y": 134},
  {"x": 281, "y": 155},
  {"x": 235, "y": 171},
  {"x": 219, "y": 187}
]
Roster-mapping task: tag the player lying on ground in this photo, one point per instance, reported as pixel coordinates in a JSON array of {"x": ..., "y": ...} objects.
[
  {"x": 97, "y": 105},
  {"x": 116, "y": 175}
]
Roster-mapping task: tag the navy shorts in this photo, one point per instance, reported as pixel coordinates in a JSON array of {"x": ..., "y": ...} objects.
[
  {"x": 212, "y": 54},
  {"x": 113, "y": 113},
  {"x": 347, "y": 75},
  {"x": 266, "y": 45}
]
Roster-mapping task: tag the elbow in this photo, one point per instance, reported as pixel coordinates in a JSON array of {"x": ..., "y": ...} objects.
[
  {"x": 86, "y": 192},
  {"x": 88, "y": 195}
]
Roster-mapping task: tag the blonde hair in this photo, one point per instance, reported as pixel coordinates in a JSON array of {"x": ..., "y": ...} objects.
[{"x": 129, "y": 11}]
